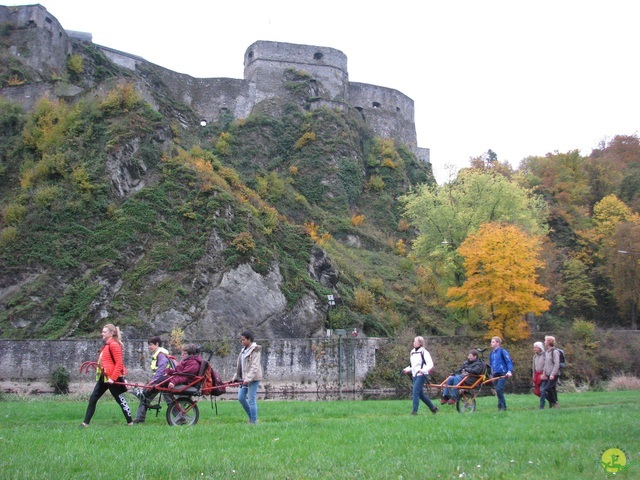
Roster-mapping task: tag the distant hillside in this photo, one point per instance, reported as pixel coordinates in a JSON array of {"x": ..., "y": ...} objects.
[{"x": 117, "y": 206}]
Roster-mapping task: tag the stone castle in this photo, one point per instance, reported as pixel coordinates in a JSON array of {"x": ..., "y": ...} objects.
[{"x": 44, "y": 45}]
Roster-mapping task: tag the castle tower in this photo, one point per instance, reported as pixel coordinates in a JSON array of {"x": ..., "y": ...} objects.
[
  {"x": 266, "y": 62},
  {"x": 38, "y": 38}
]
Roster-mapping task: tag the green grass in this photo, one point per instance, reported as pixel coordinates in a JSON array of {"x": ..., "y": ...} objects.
[{"x": 341, "y": 439}]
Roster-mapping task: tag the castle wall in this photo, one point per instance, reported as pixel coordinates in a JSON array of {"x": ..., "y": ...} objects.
[{"x": 37, "y": 38}]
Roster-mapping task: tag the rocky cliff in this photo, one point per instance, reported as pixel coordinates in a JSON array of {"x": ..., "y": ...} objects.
[{"x": 119, "y": 205}]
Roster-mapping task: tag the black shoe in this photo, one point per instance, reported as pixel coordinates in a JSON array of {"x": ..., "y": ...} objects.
[{"x": 435, "y": 410}]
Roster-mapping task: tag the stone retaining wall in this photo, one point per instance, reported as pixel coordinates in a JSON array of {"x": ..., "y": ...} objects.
[{"x": 302, "y": 365}]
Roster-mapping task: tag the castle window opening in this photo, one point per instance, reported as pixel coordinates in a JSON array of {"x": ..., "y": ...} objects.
[
  {"x": 318, "y": 56},
  {"x": 47, "y": 19},
  {"x": 397, "y": 109},
  {"x": 376, "y": 105},
  {"x": 250, "y": 55}
]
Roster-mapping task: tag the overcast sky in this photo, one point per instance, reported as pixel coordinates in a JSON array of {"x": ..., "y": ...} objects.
[{"x": 518, "y": 77}]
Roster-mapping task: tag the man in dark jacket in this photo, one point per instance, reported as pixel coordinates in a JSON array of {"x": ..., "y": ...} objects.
[{"x": 469, "y": 371}]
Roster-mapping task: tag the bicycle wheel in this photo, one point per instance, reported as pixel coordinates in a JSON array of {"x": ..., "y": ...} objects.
[
  {"x": 183, "y": 411},
  {"x": 466, "y": 403}
]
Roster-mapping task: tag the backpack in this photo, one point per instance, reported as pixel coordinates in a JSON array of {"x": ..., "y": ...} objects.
[
  {"x": 171, "y": 362},
  {"x": 563, "y": 361},
  {"x": 212, "y": 379}
]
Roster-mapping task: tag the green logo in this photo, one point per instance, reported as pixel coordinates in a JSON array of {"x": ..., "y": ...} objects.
[{"x": 614, "y": 461}]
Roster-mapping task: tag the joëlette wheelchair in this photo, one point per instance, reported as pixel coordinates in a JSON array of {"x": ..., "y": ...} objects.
[
  {"x": 469, "y": 387},
  {"x": 182, "y": 400}
]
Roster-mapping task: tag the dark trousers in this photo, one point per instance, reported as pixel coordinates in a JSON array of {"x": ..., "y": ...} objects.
[
  {"x": 117, "y": 391},
  {"x": 548, "y": 392},
  {"x": 148, "y": 394}
]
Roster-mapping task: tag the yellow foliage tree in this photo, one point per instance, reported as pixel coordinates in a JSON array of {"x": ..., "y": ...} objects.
[{"x": 500, "y": 262}]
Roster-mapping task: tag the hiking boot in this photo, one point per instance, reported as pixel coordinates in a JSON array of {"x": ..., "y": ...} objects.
[
  {"x": 452, "y": 401},
  {"x": 443, "y": 401},
  {"x": 435, "y": 410},
  {"x": 555, "y": 405}
]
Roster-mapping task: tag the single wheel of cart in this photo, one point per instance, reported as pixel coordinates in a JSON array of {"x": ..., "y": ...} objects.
[
  {"x": 466, "y": 402},
  {"x": 182, "y": 412}
]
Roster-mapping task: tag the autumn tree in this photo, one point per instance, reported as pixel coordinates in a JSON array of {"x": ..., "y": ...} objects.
[
  {"x": 623, "y": 267},
  {"x": 445, "y": 215},
  {"x": 577, "y": 295},
  {"x": 500, "y": 262},
  {"x": 488, "y": 163}
]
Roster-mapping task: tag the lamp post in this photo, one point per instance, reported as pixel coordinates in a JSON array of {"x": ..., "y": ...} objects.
[{"x": 331, "y": 303}]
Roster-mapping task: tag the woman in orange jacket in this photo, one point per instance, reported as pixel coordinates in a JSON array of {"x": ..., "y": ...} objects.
[{"x": 111, "y": 370}]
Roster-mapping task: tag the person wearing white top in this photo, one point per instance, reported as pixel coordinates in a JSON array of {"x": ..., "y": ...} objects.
[{"x": 419, "y": 368}]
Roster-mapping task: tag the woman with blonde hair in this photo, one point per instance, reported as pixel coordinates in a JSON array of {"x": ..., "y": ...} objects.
[
  {"x": 419, "y": 368},
  {"x": 110, "y": 374}
]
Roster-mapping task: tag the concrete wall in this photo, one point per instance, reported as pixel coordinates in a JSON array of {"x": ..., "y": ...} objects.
[{"x": 299, "y": 365}]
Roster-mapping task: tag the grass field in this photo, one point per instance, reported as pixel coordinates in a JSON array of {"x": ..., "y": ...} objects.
[{"x": 41, "y": 438}]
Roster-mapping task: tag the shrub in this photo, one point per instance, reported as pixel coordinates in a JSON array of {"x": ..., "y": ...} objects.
[
  {"x": 623, "y": 382},
  {"x": 583, "y": 330},
  {"x": 357, "y": 220},
  {"x": 45, "y": 196},
  {"x": 8, "y": 236},
  {"x": 364, "y": 300},
  {"x": 376, "y": 183},
  {"x": 305, "y": 139},
  {"x": 123, "y": 98},
  {"x": 75, "y": 64},
  {"x": 176, "y": 339},
  {"x": 243, "y": 243},
  {"x": 14, "y": 213},
  {"x": 60, "y": 380}
]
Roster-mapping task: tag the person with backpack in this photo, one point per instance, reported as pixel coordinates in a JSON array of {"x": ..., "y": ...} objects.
[
  {"x": 249, "y": 372},
  {"x": 160, "y": 360},
  {"x": 109, "y": 374},
  {"x": 420, "y": 364},
  {"x": 550, "y": 374},
  {"x": 501, "y": 369}
]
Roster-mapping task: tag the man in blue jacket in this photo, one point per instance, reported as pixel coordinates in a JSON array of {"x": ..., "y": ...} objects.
[{"x": 501, "y": 366}]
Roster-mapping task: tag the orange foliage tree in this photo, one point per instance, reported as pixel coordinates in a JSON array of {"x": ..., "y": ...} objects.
[{"x": 500, "y": 262}]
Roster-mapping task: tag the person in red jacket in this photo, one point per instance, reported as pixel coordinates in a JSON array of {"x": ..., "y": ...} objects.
[{"x": 111, "y": 370}]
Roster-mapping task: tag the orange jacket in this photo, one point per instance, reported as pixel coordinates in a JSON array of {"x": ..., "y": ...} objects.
[{"x": 110, "y": 359}]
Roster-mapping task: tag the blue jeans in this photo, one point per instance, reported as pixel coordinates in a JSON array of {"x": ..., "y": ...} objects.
[
  {"x": 247, "y": 398},
  {"x": 418, "y": 393},
  {"x": 453, "y": 380},
  {"x": 499, "y": 386}
]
